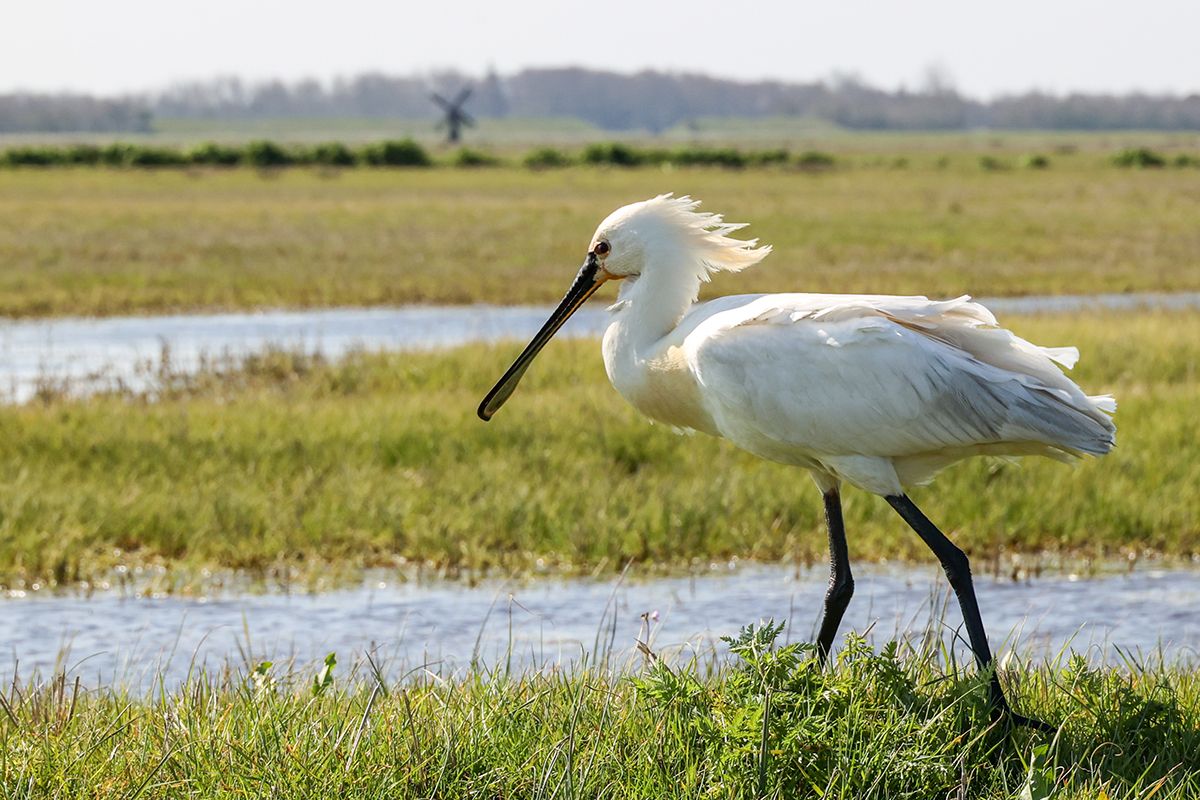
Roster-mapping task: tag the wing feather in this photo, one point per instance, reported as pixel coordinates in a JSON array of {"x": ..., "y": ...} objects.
[{"x": 887, "y": 376}]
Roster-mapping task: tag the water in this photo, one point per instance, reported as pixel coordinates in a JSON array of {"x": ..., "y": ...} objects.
[
  {"x": 89, "y": 354},
  {"x": 110, "y": 638},
  {"x": 99, "y": 353}
]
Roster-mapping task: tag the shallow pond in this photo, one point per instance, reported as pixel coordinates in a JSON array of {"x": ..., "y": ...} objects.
[
  {"x": 109, "y": 638},
  {"x": 97, "y": 353}
]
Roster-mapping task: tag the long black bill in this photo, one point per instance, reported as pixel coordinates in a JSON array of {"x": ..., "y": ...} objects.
[{"x": 585, "y": 284}]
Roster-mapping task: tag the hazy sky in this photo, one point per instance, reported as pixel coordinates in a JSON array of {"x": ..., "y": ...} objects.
[{"x": 1013, "y": 45}]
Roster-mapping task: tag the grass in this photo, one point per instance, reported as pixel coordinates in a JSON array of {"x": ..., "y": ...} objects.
[
  {"x": 101, "y": 242},
  {"x": 896, "y": 724},
  {"x": 293, "y": 464}
]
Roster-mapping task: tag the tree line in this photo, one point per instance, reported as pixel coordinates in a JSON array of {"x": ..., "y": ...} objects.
[
  {"x": 644, "y": 101},
  {"x": 72, "y": 113}
]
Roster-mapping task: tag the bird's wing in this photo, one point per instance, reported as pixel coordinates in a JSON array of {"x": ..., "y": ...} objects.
[{"x": 886, "y": 376}]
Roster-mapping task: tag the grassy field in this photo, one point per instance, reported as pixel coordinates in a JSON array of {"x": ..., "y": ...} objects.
[
  {"x": 291, "y": 469},
  {"x": 294, "y": 464},
  {"x": 99, "y": 242},
  {"x": 894, "y": 724},
  {"x": 295, "y": 470}
]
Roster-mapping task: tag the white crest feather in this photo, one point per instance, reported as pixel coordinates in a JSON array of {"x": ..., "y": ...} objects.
[{"x": 708, "y": 234}]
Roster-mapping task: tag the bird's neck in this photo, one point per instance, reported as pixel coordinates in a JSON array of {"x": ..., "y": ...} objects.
[
  {"x": 651, "y": 305},
  {"x": 641, "y": 352}
]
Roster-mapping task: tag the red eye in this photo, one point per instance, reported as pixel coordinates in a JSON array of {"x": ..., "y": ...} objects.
[{"x": 602, "y": 248}]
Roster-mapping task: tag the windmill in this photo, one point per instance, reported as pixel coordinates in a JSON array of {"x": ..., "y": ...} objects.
[{"x": 455, "y": 117}]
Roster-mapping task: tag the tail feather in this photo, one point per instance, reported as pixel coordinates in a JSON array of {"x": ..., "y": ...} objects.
[
  {"x": 1053, "y": 408},
  {"x": 1073, "y": 426}
]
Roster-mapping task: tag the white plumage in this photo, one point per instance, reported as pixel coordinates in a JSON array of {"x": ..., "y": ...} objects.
[{"x": 880, "y": 392}]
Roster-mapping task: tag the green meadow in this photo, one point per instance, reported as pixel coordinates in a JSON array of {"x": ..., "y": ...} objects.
[
  {"x": 289, "y": 465},
  {"x": 104, "y": 241}
]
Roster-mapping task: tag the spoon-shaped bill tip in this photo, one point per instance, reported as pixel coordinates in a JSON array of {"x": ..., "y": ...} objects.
[{"x": 588, "y": 280}]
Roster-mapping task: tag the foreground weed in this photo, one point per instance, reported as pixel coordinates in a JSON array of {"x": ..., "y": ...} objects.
[{"x": 894, "y": 723}]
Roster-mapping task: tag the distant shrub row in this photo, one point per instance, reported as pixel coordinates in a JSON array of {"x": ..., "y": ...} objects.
[
  {"x": 1144, "y": 158},
  {"x": 622, "y": 155},
  {"x": 408, "y": 153},
  {"x": 1131, "y": 158},
  {"x": 396, "y": 153},
  {"x": 261, "y": 154}
]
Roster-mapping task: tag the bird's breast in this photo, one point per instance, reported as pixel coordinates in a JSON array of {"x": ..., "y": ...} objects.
[{"x": 657, "y": 382}]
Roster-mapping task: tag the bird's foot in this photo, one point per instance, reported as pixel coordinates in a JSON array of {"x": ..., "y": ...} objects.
[{"x": 1003, "y": 713}]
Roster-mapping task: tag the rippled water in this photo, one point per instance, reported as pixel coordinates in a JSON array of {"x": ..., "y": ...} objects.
[
  {"x": 109, "y": 638},
  {"x": 95, "y": 353}
]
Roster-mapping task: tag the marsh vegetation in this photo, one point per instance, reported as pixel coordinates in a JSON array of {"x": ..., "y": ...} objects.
[{"x": 287, "y": 461}]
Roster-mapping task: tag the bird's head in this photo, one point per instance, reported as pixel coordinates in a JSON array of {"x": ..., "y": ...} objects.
[
  {"x": 663, "y": 233},
  {"x": 669, "y": 232}
]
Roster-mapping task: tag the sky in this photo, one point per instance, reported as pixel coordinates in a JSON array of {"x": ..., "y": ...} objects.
[{"x": 119, "y": 46}]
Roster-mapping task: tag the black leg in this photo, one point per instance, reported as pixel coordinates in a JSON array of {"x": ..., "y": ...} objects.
[
  {"x": 958, "y": 571},
  {"x": 841, "y": 582}
]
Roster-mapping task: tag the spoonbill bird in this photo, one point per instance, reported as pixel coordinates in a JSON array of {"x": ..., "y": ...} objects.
[{"x": 880, "y": 392}]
